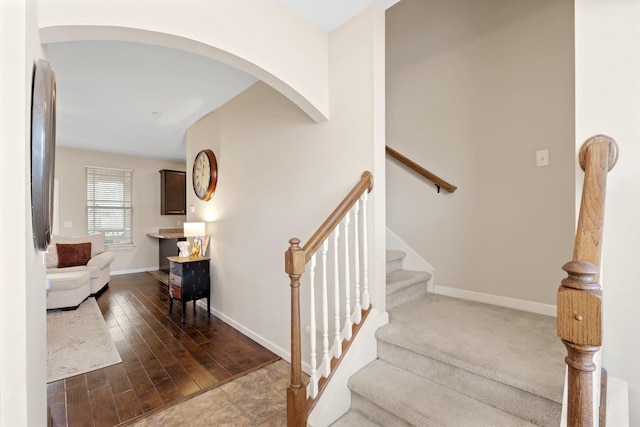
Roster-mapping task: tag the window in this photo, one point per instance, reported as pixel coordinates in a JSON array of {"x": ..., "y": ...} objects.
[{"x": 109, "y": 204}]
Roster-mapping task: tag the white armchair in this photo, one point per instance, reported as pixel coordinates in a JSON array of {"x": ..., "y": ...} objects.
[{"x": 76, "y": 255}]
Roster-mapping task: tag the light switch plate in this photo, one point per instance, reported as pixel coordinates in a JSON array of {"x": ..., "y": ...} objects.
[{"x": 542, "y": 158}]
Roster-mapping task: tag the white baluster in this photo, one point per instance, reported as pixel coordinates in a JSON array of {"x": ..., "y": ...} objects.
[
  {"x": 336, "y": 294},
  {"x": 314, "y": 375},
  {"x": 325, "y": 313},
  {"x": 347, "y": 281},
  {"x": 357, "y": 315},
  {"x": 365, "y": 253}
]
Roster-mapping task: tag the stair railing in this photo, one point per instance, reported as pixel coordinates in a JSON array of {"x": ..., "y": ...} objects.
[
  {"x": 344, "y": 328},
  {"x": 439, "y": 182},
  {"x": 579, "y": 302}
]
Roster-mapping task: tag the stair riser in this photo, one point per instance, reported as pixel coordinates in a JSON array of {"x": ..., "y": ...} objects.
[
  {"x": 394, "y": 265},
  {"x": 520, "y": 403},
  {"x": 373, "y": 411},
  {"x": 406, "y": 294}
]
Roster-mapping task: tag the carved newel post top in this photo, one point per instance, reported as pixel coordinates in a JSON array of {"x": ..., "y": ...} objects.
[
  {"x": 294, "y": 244},
  {"x": 294, "y": 260}
]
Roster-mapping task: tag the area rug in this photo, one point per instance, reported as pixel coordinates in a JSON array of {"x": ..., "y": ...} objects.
[{"x": 78, "y": 341}]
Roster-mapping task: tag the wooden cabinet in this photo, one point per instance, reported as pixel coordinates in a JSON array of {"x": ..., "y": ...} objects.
[
  {"x": 189, "y": 281},
  {"x": 173, "y": 192}
]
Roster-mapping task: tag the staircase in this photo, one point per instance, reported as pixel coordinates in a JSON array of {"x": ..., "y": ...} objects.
[{"x": 452, "y": 362}]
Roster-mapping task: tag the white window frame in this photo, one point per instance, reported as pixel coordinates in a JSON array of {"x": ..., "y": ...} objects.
[{"x": 109, "y": 208}]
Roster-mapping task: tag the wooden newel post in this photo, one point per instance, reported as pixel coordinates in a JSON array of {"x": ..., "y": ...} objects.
[
  {"x": 297, "y": 392},
  {"x": 579, "y": 327},
  {"x": 580, "y": 294}
]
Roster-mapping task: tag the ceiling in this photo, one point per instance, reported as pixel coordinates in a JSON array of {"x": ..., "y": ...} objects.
[{"x": 138, "y": 100}]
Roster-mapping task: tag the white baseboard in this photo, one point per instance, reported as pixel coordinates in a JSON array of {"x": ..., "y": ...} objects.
[
  {"x": 518, "y": 304},
  {"x": 135, "y": 270},
  {"x": 617, "y": 402},
  {"x": 413, "y": 261},
  {"x": 285, "y": 354}
]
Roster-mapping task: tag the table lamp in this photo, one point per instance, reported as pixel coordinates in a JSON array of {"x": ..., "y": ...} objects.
[{"x": 196, "y": 230}]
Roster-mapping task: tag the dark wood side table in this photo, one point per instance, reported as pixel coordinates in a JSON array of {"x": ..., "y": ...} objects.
[{"x": 189, "y": 281}]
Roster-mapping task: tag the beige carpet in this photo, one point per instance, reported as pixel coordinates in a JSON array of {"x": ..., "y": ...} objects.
[{"x": 78, "y": 341}]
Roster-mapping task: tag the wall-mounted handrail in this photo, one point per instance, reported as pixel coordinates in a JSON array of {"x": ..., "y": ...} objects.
[
  {"x": 296, "y": 257},
  {"x": 439, "y": 182},
  {"x": 579, "y": 302}
]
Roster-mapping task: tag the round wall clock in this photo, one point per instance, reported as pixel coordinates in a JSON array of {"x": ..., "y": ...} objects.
[
  {"x": 43, "y": 146},
  {"x": 205, "y": 174}
]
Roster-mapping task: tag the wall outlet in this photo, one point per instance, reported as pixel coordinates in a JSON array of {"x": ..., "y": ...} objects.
[
  {"x": 68, "y": 224},
  {"x": 542, "y": 158}
]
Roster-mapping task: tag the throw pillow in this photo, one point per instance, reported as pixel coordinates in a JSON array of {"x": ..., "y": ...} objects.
[{"x": 73, "y": 254}]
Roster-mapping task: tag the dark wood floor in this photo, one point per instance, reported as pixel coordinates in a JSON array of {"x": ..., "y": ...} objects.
[{"x": 163, "y": 362}]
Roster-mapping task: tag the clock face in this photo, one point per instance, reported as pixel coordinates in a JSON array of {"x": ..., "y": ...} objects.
[{"x": 205, "y": 174}]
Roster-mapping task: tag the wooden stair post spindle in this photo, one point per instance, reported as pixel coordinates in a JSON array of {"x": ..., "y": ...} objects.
[
  {"x": 296, "y": 392},
  {"x": 580, "y": 296}
]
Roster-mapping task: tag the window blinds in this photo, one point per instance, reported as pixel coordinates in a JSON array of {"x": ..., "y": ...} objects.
[{"x": 110, "y": 204}]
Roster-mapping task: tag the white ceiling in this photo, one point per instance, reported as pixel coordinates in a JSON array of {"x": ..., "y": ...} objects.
[{"x": 138, "y": 100}]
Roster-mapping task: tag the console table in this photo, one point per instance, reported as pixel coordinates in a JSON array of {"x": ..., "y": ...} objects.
[{"x": 189, "y": 281}]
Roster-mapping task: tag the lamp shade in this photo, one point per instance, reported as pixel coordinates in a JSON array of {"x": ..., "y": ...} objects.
[{"x": 194, "y": 229}]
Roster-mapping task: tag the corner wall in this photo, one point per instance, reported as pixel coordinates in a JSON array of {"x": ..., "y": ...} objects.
[
  {"x": 281, "y": 174},
  {"x": 608, "y": 102},
  {"x": 473, "y": 90},
  {"x": 23, "y": 395},
  {"x": 70, "y": 172}
]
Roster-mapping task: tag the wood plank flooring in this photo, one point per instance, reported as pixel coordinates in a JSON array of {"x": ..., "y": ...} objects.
[{"x": 163, "y": 361}]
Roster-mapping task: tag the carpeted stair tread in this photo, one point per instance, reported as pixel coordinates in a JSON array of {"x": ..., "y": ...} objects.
[
  {"x": 393, "y": 255},
  {"x": 404, "y": 285},
  {"x": 397, "y": 397},
  {"x": 533, "y": 408},
  {"x": 394, "y": 260},
  {"x": 512, "y": 347},
  {"x": 354, "y": 419},
  {"x": 401, "y": 279}
]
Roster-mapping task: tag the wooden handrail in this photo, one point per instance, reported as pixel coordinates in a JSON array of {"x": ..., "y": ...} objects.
[
  {"x": 296, "y": 258},
  {"x": 439, "y": 182},
  {"x": 321, "y": 234},
  {"x": 579, "y": 302}
]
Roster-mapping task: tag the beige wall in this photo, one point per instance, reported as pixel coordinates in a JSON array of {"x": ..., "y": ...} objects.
[
  {"x": 608, "y": 102},
  {"x": 474, "y": 88},
  {"x": 22, "y": 293},
  {"x": 281, "y": 174},
  {"x": 70, "y": 172}
]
